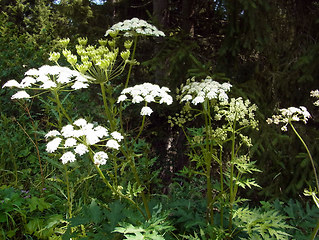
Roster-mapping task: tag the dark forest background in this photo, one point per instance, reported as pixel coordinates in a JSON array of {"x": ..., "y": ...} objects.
[{"x": 268, "y": 50}]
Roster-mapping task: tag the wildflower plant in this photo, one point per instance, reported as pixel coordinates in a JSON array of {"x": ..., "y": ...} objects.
[
  {"x": 225, "y": 120},
  {"x": 218, "y": 147},
  {"x": 287, "y": 117},
  {"x": 107, "y": 145}
]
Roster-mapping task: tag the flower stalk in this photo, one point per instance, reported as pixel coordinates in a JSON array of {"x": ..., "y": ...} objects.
[{"x": 308, "y": 152}]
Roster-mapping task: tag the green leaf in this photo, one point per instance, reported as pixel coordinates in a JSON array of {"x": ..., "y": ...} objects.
[
  {"x": 38, "y": 203},
  {"x": 95, "y": 212},
  {"x": 33, "y": 225}
]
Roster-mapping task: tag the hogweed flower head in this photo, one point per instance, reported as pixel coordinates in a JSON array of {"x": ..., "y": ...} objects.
[
  {"x": 315, "y": 94},
  {"x": 48, "y": 78},
  {"x": 197, "y": 92},
  {"x": 134, "y": 27},
  {"x": 20, "y": 95},
  {"x": 100, "y": 158},
  {"x": 98, "y": 62},
  {"x": 237, "y": 110},
  {"x": 68, "y": 157},
  {"x": 288, "y": 115},
  {"x": 147, "y": 93},
  {"x": 146, "y": 111},
  {"x": 81, "y": 136}
]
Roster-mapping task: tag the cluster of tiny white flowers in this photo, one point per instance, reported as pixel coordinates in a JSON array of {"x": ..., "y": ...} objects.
[
  {"x": 315, "y": 94},
  {"x": 197, "y": 92},
  {"x": 78, "y": 137},
  {"x": 146, "y": 92},
  {"x": 239, "y": 110},
  {"x": 47, "y": 77},
  {"x": 134, "y": 27},
  {"x": 291, "y": 114}
]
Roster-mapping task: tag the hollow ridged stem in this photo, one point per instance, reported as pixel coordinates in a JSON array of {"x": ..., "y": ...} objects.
[
  {"x": 106, "y": 108},
  {"x": 115, "y": 191},
  {"x": 208, "y": 161},
  {"x": 315, "y": 231},
  {"x": 231, "y": 180},
  {"x": 309, "y": 154},
  {"x": 60, "y": 107},
  {"x": 132, "y": 58},
  {"x": 221, "y": 188}
]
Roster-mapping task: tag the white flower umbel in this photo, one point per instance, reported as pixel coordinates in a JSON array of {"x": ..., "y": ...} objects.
[
  {"x": 135, "y": 27},
  {"x": 100, "y": 158},
  {"x": 80, "y": 138},
  {"x": 117, "y": 136},
  {"x": 148, "y": 93},
  {"x": 20, "y": 95},
  {"x": 48, "y": 78},
  {"x": 80, "y": 122},
  {"x": 315, "y": 94},
  {"x": 53, "y": 145},
  {"x": 146, "y": 111},
  {"x": 68, "y": 157},
  {"x": 11, "y": 83},
  {"x": 70, "y": 142},
  {"x": 112, "y": 144},
  {"x": 291, "y": 114},
  {"x": 197, "y": 92},
  {"x": 81, "y": 149},
  {"x": 52, "y": 134}
]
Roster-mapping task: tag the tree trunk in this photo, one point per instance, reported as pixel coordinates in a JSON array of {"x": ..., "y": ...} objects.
[
  {"x": 160, "y": 13},
  {"x": 187, "y": 13}
]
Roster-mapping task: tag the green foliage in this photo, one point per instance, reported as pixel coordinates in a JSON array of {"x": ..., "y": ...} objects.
[
  {"x": 21, "y": 215},
  {"x": 302, "y": 217},
  {"x": 26, "y": 34},
  {"x": 259, "y": 223},
  {"x": 15, "y": 147},
  {"x": 154, "y": 228}
]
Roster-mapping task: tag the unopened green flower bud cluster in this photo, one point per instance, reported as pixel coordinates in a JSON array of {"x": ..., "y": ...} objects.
[{"x": 90, "y": 58}]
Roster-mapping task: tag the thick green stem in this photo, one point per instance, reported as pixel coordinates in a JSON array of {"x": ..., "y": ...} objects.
[
  {"x": 106, "y": 108},
  {"x": 60, "y": 107},
  {"x": 208, "y": 161},
  {"x": 221, "y": 188},
  {"x": 131, "y": 65},
  {"x": 115, "y": 191},
  {"x": 315, "y": 231},
  {"x": 309, "y": 154},
  {"x": 140, "y": 131},
  {"x": 68, "y": 191},
  {"x": 144, "y": 199},
  {"x": 231, "y": 180}
]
